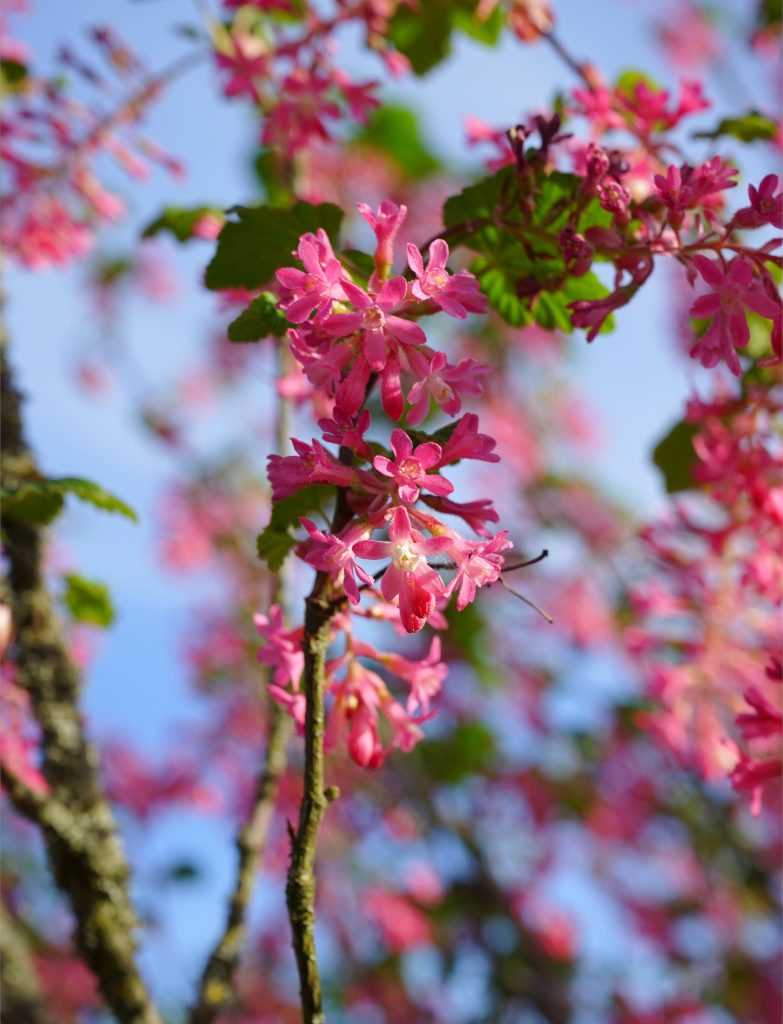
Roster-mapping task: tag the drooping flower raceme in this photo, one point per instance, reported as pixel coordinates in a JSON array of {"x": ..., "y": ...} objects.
[{"x": 347, "y": 335}]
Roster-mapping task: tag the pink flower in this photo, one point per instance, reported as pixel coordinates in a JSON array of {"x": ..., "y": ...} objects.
[
  {"x": 317, "y": 286},
  {"x": 474, "y": 513},
  {"x": 425, "y": 677},
  {"x": 457, "y": 295},
  {"x": 348, "y": 432},
  {"x": 765, "y": 207},
  {"x": 479, "y": 563},
  {"x": 763, "y": 721},
  {"x": 299, "y": 118},
  {"x": 385, "y": 222},
  {"x": 401, "y": 923},
  {"x": 282, "y": 648},
  {"x": 381, "y": 330},
  {"x": 311, "y": 464},
  {"x": 685, "y": 188},
  {"x": 408, "y": 578},
  {"x": 247, "y": 62},
  {"x": 465, "y": 442},
  {"x": 409, "y": 471},
  {"x": 443, "y": 382},
  {"x": 734, "y": 289},
  {"x": 208, "y": 226},
  {"x": 334, "y": 554}
]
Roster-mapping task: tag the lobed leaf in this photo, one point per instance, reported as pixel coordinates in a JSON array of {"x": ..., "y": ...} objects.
[
  {"x": 276, "y": 540},
  {"x": 261, "y": 319},
  {"x": 40, "y": 501},
  {"x": 262, "y": 239}
]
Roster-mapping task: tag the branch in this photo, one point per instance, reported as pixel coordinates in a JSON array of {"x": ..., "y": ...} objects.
[
  {"x": 22, "y": 996},
  {"x": 216, "y": 979},
  {"x": 215, "y": 986},
  {"x": 320, "y": 607},
  {"x": 89, "y": 867}
]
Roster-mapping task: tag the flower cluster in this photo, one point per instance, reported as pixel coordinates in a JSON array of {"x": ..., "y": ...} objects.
[
  {"x": 706, "y": 628},
  {"x": 285, "y": 67},
  {"x": 50, "y": 143},
  {"x": 346, "y": 337},
  {"x": 625, "y": 204}
]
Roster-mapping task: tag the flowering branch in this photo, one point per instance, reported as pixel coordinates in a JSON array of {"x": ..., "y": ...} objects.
[{"x": 320, "y": 608}]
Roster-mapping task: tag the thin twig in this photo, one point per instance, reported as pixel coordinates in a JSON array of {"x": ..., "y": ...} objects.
[
  {"x": 216, "y": 982},
  {"x": 527, "y": 601}
]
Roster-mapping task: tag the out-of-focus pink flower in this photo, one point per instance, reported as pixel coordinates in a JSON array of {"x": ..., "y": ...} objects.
[
  {"x": 766, "y": 207},
  {"x": 734, "y": 289},
  {"x": 402, "y": 925},
  {"x": 282, "y": 649}
]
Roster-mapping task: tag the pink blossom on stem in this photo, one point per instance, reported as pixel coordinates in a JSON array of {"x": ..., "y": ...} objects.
[
  {"x": 408, "y": 578},
  {"x": 465, "y": 442},
  {"x": 311, "y": 464},
  {"x": 765, "y": 206},
  {"x": 318, "y": 285},
  {"x": 282, "y": 649},
  {"x": 456, "y": 294},
  {"x": 479, "y": 564},
  {"x": 443, "y": 382},
  {"x": 386, "y": 222},
  {"x": 735, "y": 289},
  {"x": 381, "y": 330},
  {"x": 335, "y": 555},
  {"x": 410, "y": 468}
]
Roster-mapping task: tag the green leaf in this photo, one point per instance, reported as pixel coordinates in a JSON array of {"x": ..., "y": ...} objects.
[
  {"x": 468, "y": 750},
  {"x": 675, "y": 458},
  {"x": 500, "y": 291},
  {"x": 276, "y": 539},
  {"x": 269, "y": 167},
  {"x": 262, "y": 239},
  {"x": 88, "y": 601},
  {"x": 480, "y": 200},
  {"x": 627, "y": 81},
  {"x": 750, "y": 127},
  {"x": 40, "y": 501},
  {"x": 32, "y": 503},
  {"x": 424, "y": 34},
  {"x": 179, "y": 221},
  {"x": 13, "y": 75},
  {"x": 359, "y": 263},
  {"x": 261, "y": 319},
  {"x": 395, "y": 131},
  {"x": 484, "y": 30}
]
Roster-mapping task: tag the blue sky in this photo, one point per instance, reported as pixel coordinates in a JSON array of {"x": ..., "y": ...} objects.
[{"x": 632, "y": 378}]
